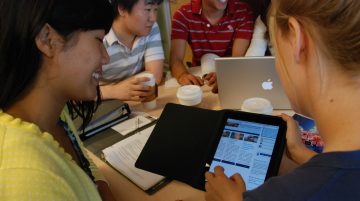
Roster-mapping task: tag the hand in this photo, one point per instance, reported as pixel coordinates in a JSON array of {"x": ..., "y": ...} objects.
[
  {"x": 187, "y": 78},
  {"x": 220, "y": 188},
  {"x": 215, "y": 88},
  {"x": 130, "y": 89},
  {"x": 210, "y": 78},
  {"x": 295, "y": 149}
]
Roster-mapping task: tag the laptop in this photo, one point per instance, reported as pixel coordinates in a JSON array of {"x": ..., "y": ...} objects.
[{"x": 240, "y": 78}]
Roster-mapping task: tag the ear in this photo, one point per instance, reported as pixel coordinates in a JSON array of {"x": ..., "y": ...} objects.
[
  {"x": 121, "y": 10},
  {"x": 45, "y": 40},
  {"x": 297, "y": 39}
]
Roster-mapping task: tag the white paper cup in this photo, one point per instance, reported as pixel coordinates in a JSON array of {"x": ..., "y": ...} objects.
[
  {"x": 208, "y": 63},
  {"x": 149, "y": 105},
  {"x": 189, "y": 95},
  {"x": 257, "y": 105},
  {"x": 151, "y": 77},
  {"x": 149, "y": 102}
]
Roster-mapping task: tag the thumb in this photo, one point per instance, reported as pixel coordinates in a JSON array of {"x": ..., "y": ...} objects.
[
  {"x": 238, "y": 179},
  {"x": 291, "y": 123}
]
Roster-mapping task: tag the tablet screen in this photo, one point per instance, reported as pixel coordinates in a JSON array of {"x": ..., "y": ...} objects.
[{"x": 246, "y": 148}]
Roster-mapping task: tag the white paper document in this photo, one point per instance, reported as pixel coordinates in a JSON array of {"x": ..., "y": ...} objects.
[
  {"x": 124, "y": 154},
  {"x": 132, "y": 124}
]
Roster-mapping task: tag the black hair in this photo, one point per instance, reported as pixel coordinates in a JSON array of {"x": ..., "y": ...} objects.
[
  {"x": 259, "y": 8},
  {"x": 129, "y": 4},
  {"x": 20, "y": 59}
]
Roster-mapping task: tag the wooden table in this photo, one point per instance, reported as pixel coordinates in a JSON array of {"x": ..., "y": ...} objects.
[{"x": 123, "y": 189}]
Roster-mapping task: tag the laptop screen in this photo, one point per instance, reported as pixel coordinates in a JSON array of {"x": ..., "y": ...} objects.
[{"x": 240, "y": 78}]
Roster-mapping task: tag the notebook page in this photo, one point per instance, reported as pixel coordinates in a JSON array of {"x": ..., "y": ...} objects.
[{"x": 124, "y": 154}]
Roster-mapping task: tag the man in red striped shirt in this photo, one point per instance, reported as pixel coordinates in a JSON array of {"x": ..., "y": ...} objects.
[{"x": 221, "y": 27}]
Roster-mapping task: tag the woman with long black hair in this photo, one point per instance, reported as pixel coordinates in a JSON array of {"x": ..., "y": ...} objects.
[{"x": 51, "y": 54}]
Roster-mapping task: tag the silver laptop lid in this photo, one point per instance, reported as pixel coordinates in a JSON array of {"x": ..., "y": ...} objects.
[{"x": 240, "y": 78}]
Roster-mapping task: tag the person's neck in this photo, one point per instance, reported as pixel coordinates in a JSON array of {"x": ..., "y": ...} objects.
[
  {"x": 211, "y": 14},
  {"x": 337, "y": 115},
  {"x": 40, "y": 107},
  {"x": 123, "y": 34}
]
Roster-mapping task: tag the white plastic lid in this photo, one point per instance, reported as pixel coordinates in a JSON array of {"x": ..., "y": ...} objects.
[
  {"x": 189, "y": 92},
  {"x": 257, "y": 105}
]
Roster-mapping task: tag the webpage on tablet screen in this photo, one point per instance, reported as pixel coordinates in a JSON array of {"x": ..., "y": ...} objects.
[{"x": 246, "y": 148}]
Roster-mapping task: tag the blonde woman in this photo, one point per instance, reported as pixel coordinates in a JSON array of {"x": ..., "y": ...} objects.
[{"x": 317, "y": 46}]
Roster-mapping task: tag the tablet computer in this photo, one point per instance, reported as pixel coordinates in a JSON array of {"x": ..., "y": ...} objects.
[
  {"x": 251, "y": 145},
  {"x": 186, "y": 139}
]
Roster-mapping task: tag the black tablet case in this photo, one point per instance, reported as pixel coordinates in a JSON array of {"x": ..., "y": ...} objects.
[{"x": 181, "y": 152}]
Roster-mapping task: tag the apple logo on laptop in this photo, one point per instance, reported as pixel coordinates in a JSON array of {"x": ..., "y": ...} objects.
[{"x": 267, "y": 85}]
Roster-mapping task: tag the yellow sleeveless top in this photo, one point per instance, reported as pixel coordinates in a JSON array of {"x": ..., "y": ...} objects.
[{"x": 34, "y": 167}]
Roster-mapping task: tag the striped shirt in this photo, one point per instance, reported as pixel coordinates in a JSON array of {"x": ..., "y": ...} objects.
[
  {"x": 125, "y": 62},
  {"x": 203, "y": 37}
]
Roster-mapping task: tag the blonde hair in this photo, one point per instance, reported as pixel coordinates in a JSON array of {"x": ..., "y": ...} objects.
[{"x": 334, "y": 25}]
